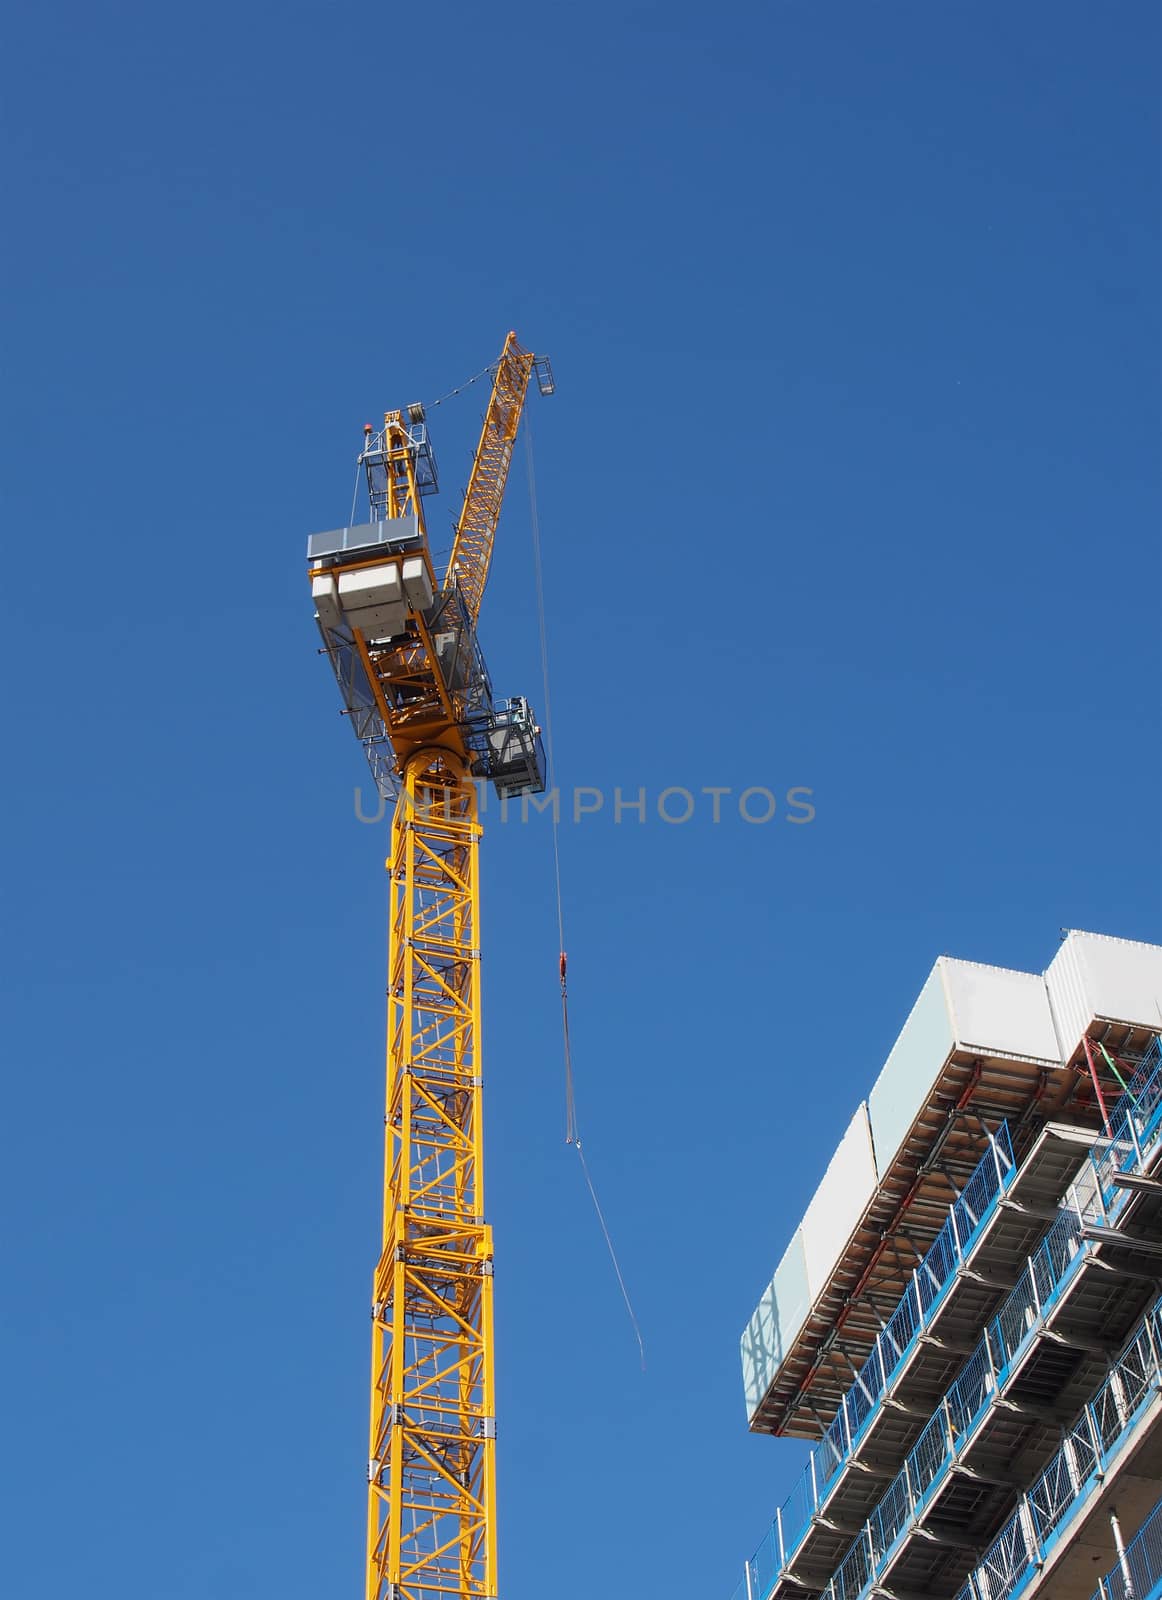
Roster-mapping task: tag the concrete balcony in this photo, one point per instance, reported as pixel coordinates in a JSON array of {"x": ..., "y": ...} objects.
[
  {"x": 997, "y": 1221},
  {"x": 1048, "y": 1343},
  {"x": 928, "y": 1449},
  {"x": 1060, "y": 1528},
  {"x": 921, "y": 1541}
]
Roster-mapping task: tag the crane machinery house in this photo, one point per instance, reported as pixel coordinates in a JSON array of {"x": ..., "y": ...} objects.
[{"x": 402, "y": 645}]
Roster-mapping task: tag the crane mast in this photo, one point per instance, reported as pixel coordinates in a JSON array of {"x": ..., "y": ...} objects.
[{"x": 413, "y": 681}]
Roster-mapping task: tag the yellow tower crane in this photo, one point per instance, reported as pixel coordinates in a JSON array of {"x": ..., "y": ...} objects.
[{"x": 402, "y": 643}]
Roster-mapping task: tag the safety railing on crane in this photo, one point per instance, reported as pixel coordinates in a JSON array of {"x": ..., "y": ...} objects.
[{"x": 1094, "y": 1197}]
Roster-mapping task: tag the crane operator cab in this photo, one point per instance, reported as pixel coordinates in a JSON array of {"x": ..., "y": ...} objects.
[{"x": 515, "y": 756}]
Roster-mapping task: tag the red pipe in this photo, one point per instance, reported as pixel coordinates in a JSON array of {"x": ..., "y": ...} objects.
[{"x": 1101, "y": 1099}]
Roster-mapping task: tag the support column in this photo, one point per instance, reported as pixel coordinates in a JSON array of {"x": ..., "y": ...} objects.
[{"x": 431, "y": 1476}]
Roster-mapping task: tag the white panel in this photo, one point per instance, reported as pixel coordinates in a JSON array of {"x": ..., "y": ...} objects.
[
  {"x": 999, "y": 1012},
  {"x": 325, "y": 596},
  {"x": 1066, "y": 994},
  {"x": 770, "y": 1333},
  {"x": 371, "y": 586},
  {"x": 416, "y": 582},
  {"x": 917, "y": 1058},
  {"x": 378, "y": 622},
  {"x": 988, "y": 1010},
  {"x": 1093, "y": 975},
  {"x": 839, "y": 1202}
]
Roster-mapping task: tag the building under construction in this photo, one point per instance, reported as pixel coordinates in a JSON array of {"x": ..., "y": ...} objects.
[{"x": 967, "y": 1322}]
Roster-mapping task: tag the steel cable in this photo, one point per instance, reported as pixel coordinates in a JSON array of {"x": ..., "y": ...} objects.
[{"x": 572, "y": 1128}]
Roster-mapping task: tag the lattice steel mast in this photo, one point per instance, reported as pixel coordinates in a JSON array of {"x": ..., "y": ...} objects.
[{"x": 413, "y": 681}]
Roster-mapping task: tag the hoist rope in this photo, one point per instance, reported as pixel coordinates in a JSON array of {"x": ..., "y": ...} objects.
[
  {"x": 571, "y": 1134},
  {"x": 572, "y": 1129}
]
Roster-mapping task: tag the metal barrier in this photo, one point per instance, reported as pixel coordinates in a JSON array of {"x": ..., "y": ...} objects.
[
  {"x": 1076, "y": 1473},
  {"x": 1093, "y": 1195},
  {"x": 1143, "y": 1564},
  {"x": 955, "y": 1420},
  {"x": 927, "y": 1286},
  {"x": 1135, "y": 1124}
]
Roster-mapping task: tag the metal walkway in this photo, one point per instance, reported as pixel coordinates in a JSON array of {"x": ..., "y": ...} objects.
[{"x": 969, "y": 1445}]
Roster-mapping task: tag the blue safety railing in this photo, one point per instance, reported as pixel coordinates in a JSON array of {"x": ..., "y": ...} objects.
[
  {"x": 1134, "y": 1124},
  {"x": 1145, "y": 1072},
  {"x": 1067, "y": 1486},
  {"x": 1047, "y": 1272},
  {"x": 927, "y": 1286},
  {"x": 1142, "y": 1565},
  {"x": 1095, "y": 1196}
]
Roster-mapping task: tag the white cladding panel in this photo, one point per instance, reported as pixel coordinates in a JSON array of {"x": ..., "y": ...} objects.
[
  {"x": 915, "y": 1062},
  {"x": 999, "y": 1012},
  {"x": 987, "y": 1010},
  {"x": 1093, "y": 975},
  {"x": 770, "y": 1333},
  {"x": 839, "y": 1202}
]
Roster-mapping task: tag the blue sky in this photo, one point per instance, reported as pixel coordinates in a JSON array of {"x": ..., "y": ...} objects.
[{"x": 851, "y": 482}]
